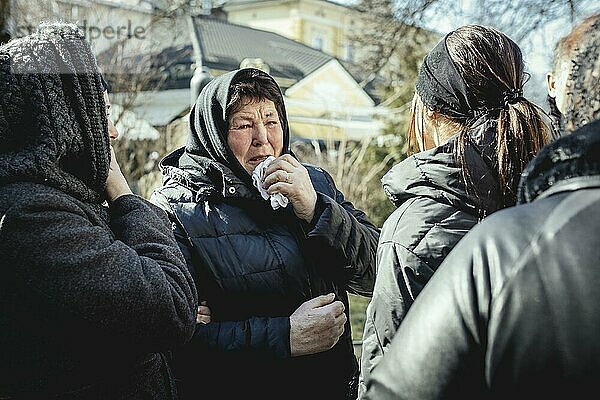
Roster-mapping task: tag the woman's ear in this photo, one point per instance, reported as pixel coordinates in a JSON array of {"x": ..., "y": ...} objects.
[{"x": 551, "y": 84}]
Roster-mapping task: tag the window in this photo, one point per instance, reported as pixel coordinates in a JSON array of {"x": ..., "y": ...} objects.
[
  {"x": 71, "y": 12},
  {"x": 317, "y": 42},
  {"x": 349, "y": 52}
]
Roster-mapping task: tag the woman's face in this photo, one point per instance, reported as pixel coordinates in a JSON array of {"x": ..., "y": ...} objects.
[
  {"x": 113, "y": 133},
  {"x": 255, "y": 133}
]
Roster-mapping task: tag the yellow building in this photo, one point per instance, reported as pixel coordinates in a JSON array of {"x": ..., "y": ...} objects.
[
  {"x": 328, "y": 103},
  {"x": 323, "y": 100},
  {"x": 323, "y": 25}
]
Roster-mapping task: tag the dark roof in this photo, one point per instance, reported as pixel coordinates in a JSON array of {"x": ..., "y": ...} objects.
[
  {"x": 224, "y": 45},
  {"x": 169, "y": 68}
]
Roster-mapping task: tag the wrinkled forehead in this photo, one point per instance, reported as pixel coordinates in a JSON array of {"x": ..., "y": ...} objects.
[{"x": 249, "y": 107}]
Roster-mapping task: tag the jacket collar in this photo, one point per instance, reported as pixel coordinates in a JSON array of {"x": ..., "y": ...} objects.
[
  {"x": 436, "y": 174},
  {"x": 569, "y": 163},
  {"x": 204, "y": 177},
  {"x": 571, "y": 185}
]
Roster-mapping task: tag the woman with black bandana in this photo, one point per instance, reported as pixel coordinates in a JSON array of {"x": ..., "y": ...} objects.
[
  {"x": 475, "y": 132},
  {"x": 275, "y": 275}
]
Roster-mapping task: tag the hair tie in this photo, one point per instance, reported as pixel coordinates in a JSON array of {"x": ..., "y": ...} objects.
[{"x": 512, "y": 96}]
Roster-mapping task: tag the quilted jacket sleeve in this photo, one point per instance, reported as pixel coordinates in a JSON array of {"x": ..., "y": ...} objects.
[
  {"x": 345, "y": 241},
  {"x": 130, "y": 285},
  {"x": 414, "y": 241},
  {"x": 267, "y": 335}
]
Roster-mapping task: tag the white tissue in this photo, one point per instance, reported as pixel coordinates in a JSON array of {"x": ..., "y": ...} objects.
[{"x": 258, "y": 178}]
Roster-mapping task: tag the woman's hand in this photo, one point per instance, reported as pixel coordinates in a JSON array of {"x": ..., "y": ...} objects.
[
  {"x": 316, "y": 325},
  {"x": 287, "y": 176},
  {"x": 116, "y": 184},
  {"x": 203, "y": 315}
]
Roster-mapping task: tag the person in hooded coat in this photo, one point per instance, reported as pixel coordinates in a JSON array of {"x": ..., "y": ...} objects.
[
  {"x": 476, "y": 132},
  {"x": 275, "y": 279},
  {"x": 94, "y": 286}
]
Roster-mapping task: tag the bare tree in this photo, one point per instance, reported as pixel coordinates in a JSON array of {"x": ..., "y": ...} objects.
[
  {"x": 357, "y": 168},
  {"x": 134, "y": 73},
  {"x": 390, "y": 28}
]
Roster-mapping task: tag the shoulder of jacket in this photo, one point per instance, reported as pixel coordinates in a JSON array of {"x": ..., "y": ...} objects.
[
  {"x": 172, "y": 192},
  {"x": 320, "y": 178},
  {"x": 35, "y": 192},
  {"x": 316, "y": 171},
  {"x": 418, "y": 215},
  {"x": 29, "y": 197}
]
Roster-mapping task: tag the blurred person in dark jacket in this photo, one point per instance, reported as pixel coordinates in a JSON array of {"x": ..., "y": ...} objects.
[
  {"x": 514, "y": 310},
  {"x": 273, "y": 246},
  {"x": 94, "y": 286},
  {"x": 475, "y": 132}
]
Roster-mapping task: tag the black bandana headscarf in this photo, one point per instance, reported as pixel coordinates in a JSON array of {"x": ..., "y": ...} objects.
[{"x": 442, "y": 88}]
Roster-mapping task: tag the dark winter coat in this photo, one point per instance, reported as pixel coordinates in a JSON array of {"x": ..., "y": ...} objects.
[
  {"x": 254, "y": 266},
  {"x": 435, "y": 210},
  {"x": 89, "y": 295},
  {"x": 514, "y": 310},
  {"x": 87, "y": 304}
]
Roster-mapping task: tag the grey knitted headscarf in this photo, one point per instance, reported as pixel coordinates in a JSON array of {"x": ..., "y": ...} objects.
[
  {"x": 53, "y": 126},
  {"x": 208, "y": 120}
]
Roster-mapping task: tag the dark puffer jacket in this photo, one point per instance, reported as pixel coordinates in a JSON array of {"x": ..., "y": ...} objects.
[
  {"x": 435, "y": 210},
  {"x": 89, "y": 295},
  {"x": 514, "y": 310},
  {"x": 254, "y": 266}
]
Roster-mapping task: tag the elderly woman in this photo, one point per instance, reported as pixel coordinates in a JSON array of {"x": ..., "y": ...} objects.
[
  {"x": 275, "y": 280},
  {"x": 90, "y": 293}
]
